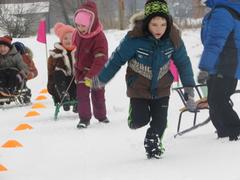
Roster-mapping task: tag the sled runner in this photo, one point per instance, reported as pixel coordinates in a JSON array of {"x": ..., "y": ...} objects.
[
  {"x": 21, "y": 98},
  {"x": 59, "y": 105},
  {"x": 202, "y": 104}
]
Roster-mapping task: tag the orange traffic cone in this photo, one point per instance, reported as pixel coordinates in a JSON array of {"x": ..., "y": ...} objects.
[
  {"x": 12, "y": 144},
  {"x": 2, "y": 168},
  {"x": 32, "y": 113},
  {"x": 41, "y": 97},
  {"x": 44, "y": 91},
  {"x": 23, "y": 127},
  {"x": 38, "y": 106}
]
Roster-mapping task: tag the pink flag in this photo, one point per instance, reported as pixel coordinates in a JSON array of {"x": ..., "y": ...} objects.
[
  {"x": 174, "y": 71},
  {"x": 41, "y": 35}
]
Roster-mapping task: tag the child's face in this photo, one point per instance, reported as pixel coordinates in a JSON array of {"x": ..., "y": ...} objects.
[
  {"x": 4, "y": 49},
  {"x": 157, "y": 26},
  {"x": 82, "y": 29},
  {"x": 67, "y": 40}
]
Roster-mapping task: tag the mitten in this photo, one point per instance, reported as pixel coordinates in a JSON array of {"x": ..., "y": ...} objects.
[
  {"x": 88, "y": 82},
  {"x": 202, "y": 77},
  {"x": 93, "y": 83},
  {"x": 189, "y": 98}
]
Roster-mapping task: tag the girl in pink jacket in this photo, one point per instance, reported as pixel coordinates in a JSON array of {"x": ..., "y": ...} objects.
[{"x": 91, "y": 55}]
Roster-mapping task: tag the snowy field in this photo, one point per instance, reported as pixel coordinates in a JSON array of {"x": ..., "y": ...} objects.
[{"x": 57, "y": 150}]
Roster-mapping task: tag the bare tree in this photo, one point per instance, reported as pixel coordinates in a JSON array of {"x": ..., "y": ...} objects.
[
  {"x": 17, "y": 20},
  {"x": 121, "y": 6},
  {"x": 64, "y": 11}
]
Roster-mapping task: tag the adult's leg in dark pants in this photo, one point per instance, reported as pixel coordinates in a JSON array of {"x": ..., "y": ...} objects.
[
  {"x": 214, "y": 113},
  {"x": 139, "y": 113},
  {"x": 222, "y": 112}
]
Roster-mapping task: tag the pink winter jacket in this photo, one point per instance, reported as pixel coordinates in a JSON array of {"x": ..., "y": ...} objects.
[{"x": 92, "y": 49}]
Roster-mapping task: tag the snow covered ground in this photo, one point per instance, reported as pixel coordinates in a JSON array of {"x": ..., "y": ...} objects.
[{"x": 57, "y": 150}]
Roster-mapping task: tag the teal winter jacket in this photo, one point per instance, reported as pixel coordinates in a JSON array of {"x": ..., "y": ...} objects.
[{"x": 148, "y": 63}]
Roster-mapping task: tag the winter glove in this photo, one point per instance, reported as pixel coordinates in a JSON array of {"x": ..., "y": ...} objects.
[
  {"x": 88, "y": 82},
  {"x": 189, "y": 98},
  {"x": 93, "y": 83},
  {"x": 202, "y": 77}
]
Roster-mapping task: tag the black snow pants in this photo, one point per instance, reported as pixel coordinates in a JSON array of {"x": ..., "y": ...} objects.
[
  {"x": 222, "y": 115},
  {"x": 8, "y": 79},
  {"x": 143, "y": 111},
  {"x": 61, "y": 84}
]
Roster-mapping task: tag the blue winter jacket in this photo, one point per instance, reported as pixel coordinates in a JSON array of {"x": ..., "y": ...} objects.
[
  {"x": 148, "y": 59},
  {"x": 221, "y": 39}
]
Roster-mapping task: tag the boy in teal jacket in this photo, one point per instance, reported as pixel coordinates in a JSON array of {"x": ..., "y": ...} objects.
[{"x": 148, "y": 49}]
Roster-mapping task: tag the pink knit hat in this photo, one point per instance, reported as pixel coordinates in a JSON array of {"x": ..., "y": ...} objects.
[
  {"x": 61, "y": 29},
  {"x": 83, "y": 18}
]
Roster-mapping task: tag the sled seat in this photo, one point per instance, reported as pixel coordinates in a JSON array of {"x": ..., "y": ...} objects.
[{"x": 202, "y": 104}]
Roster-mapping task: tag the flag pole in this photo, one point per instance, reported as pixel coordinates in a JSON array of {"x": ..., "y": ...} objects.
[
  {"x": 46, "y": 51},
  {"x": 41, "y": 35}
]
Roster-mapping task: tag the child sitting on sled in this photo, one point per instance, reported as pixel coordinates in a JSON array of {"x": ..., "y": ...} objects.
[
  {"x": 13, "y": 70},
  {"x": 61, "y": 84},
  {"x": 27, "y": 56}
]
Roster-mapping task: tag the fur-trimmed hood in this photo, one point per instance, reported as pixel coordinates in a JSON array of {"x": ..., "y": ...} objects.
[
  {"x": 95, "y": 26},
  {"x": 139, "y": 16},
  {"x": 136, "y": 24}
]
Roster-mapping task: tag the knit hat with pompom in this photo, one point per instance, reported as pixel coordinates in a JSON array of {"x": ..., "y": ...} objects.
[
  {"x": 61, "y": 29},
  {"x": 155, "y": 8}
]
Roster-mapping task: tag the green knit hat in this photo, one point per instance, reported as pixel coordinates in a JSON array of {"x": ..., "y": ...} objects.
[{"x": 156, "y": 7}]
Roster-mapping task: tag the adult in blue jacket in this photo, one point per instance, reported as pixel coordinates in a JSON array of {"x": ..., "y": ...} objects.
[
  {"x": 148, "y": 49},
  {"x": 220, "y": 65}
]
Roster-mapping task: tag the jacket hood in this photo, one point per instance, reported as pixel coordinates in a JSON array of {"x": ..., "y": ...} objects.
[
  {"x": 136, "y": 17},
  {"x": 90, "y": 7},
  {"x": 235, "y": 4},
  {"x": 136, "y": 24}
]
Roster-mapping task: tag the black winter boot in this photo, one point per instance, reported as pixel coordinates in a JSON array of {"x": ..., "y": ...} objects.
[
  {"x": 152, "y": 145},
  {"x": 234, "y": 137},
  {"x": 65, "y": 98},
  {"x": 105, "y": 120},
  {"x": 75, "y": 108},
  {"x": 83, "y": 124}
]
